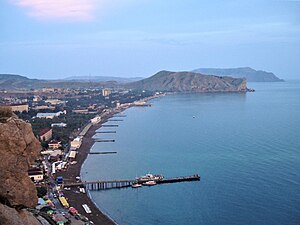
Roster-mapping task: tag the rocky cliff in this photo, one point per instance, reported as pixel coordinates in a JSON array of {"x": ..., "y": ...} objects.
[
  {"x": 189, "y": 82},
  {"x": 18, "y": 149}
]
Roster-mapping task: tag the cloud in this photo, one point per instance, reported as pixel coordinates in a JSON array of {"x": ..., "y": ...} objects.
[{"x": 74, "y": 10}]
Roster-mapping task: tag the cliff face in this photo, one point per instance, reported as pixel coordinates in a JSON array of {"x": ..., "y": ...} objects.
[
  {"x": 189, "y": 82},
  {"x": 18, "y": 149}
]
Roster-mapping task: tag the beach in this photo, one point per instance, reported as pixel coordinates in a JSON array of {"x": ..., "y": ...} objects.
[{"x": 74, "y": 197}]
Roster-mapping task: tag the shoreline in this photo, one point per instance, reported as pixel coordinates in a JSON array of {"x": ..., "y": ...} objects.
[{"x": 76, "y": 199}]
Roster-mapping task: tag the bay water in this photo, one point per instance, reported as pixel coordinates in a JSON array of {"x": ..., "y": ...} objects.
[{"x": 245, "y": 147}]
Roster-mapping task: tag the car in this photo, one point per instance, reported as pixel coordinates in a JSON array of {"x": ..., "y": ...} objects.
[
  {"x": 77, "y": 217},
  {"x": 89, "y": 223},
  {"x": 84, "y": 219}
]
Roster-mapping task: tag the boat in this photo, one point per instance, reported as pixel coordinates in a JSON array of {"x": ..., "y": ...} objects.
[
  {"x": 149, "y": 183},
  {"x": 149, "y": 177},
  {"x": 136, "y": 185}
]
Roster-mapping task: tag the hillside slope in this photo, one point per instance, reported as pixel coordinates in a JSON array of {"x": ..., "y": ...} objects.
[
  {"x": 189, "y": 82},
  {"x": 250, "y": 74}
]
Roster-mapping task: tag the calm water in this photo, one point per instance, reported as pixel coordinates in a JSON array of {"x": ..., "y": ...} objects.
[{"x": 246, "y": 147}]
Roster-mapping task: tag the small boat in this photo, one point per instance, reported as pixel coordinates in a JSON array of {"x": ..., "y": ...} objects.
[
  {"x": 149, "y": 183},
  {"x": 149, "y": 177},
  {"x": 136, "y": 185}
]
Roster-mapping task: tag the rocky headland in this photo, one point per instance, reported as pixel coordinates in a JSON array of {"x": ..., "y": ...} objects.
[{"x": 189, "y": 82}]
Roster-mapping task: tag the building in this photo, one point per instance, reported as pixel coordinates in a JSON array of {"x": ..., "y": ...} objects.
[
  {"x": 49, "y": 115},
  {"x": 72, "y": 154},
  {"x": 54, "y": 144},
  {"x": 76, "y": 143},
  {"x": 19, "y": 107},
  {"x": 96, "y": 120},
  {"x": 56, "y": 152},
  {"x": 55, "y": 101},
  {"x": 58, "y": 125},
  {"x": 36, "y": 174},
  {"x": 45, "y": 134},
  {"x": 39, "y": 107},
  {"x": 47, "y": 90},
  {"x": 106, "y": 92}
]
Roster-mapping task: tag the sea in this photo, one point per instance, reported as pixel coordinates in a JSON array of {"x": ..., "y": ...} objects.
[{"x": 245, "y": 147}]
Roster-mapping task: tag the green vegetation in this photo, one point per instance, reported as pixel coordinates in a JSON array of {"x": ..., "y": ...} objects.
[{"x": 41, "y": 191}]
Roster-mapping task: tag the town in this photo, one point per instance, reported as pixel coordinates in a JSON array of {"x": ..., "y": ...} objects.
[{"x": 60, "y": 119}]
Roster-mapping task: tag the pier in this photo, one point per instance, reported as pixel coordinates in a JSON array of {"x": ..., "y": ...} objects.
[
  {"x": 120, "y": 115},
  {"x": 102, "y": 185},
  {"x": 110, "y": 125},
  {"x": 104, "y": 140},
  {"x": 106, "y": 132},
  {"x": 96, "y": 153},
  {"x": 115, "y": 120}
]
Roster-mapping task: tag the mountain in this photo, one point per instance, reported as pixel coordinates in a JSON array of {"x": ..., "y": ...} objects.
[
  {"x": 189, "y": 82},
  {"x": 103, "y": 79},
  {"x": 12, "y": 81},
  {"x": 17, "y": 82},
  {"x": 250, "y": 74}
]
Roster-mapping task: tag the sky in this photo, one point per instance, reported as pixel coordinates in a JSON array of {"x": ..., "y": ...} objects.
[{"x": 52, "y": 39}]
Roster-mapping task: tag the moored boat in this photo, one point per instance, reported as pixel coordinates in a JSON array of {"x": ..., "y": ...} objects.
[
  {"x": 149, "y": 177},
  {"x": 136, "y": 185},
  {"x": 149, "y": 183}
]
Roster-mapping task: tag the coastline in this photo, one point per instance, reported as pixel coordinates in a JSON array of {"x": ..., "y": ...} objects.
[{"x": 77, "y": 199}]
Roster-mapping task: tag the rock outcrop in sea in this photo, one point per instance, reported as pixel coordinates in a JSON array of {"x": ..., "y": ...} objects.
[{"x": 18, "y": 149}]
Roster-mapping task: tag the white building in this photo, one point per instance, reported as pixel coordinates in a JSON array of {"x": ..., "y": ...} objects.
[
  {"x": 36, "y": 175},
  {"x": 76, "y": 143},
  {"x": 106, "y": 92},
  {"x": 72, "y": 154},
  {"x": 58, "y": 125},
  {"x": 96, "y": 120},
  {"x": 49, "y": 115}
]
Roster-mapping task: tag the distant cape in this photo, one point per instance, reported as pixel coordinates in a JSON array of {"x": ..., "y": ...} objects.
[{"x": 250, "y": 74}]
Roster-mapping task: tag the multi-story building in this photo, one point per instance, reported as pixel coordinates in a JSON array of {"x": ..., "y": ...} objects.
[
  {"x": 45, "y": 134},
  {"x": 19, "y": 107},
  {"x": 106, "y": 92}
]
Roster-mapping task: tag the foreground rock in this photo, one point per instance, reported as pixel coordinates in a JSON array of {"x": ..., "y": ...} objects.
[{"x": 18, "y": 149}]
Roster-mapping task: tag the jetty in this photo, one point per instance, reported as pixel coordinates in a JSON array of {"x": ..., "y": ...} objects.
[
  {"x": 106, "y": 132},
  {"x": 110, "y": 125},
  {"x": 119, "y": 115},
  {"x": 99, "y": 153},
  {"x": 103, "y": 140},
  {"x": 110, "y": 184}
]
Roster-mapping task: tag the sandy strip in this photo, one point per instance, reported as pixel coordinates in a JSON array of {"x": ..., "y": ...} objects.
[{"x": 77, "y": 199}]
